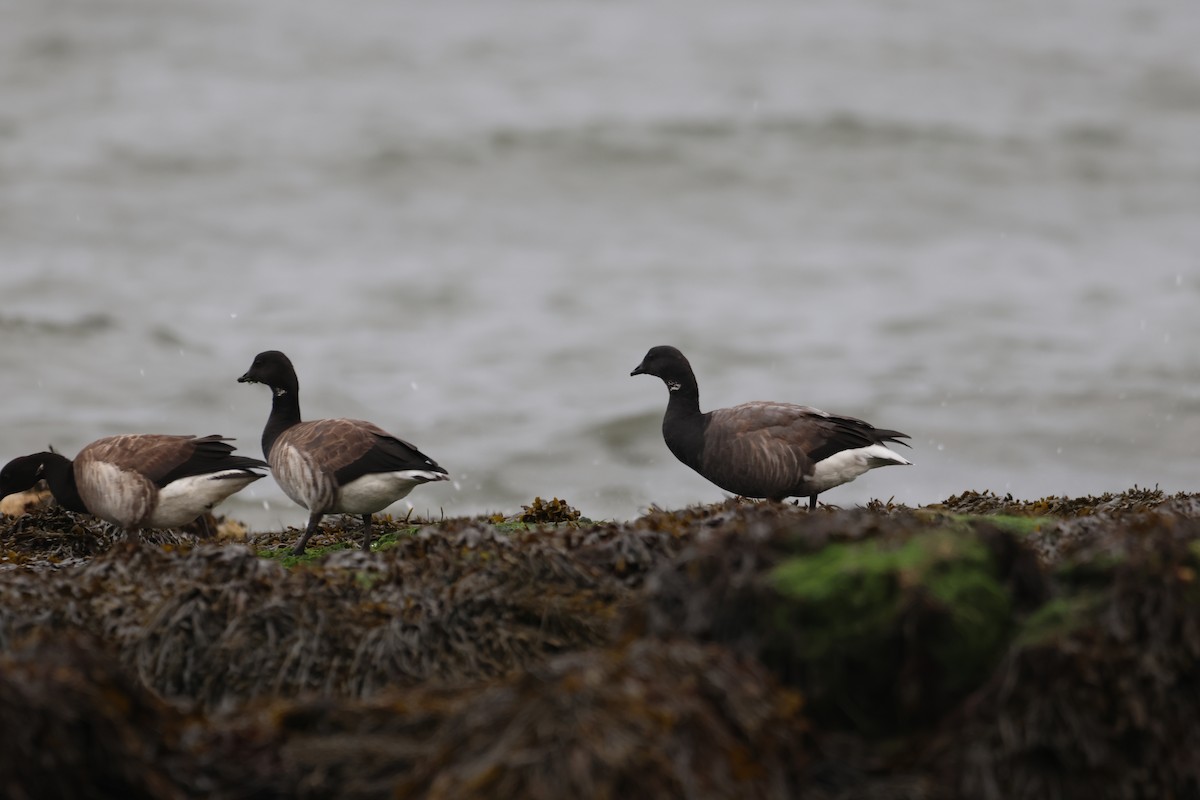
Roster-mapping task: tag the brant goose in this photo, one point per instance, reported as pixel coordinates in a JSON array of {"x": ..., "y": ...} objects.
[
  {"x": 330, "y": 466},
  {"x": 144, "y": 480},
  {"x": 764, "y": 449}
]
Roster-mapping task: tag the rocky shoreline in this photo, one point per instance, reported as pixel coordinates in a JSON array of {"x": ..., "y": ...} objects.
[{"x": 982, "y": 647}]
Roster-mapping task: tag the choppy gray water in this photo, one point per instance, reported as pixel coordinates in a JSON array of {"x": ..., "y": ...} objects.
[{"x": 978, "y": 223}]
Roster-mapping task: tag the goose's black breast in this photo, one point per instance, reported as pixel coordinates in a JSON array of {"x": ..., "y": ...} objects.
[{"x": 685, "y": 438}]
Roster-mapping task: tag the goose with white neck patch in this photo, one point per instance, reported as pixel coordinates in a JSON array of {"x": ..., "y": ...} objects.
[
  {"x": 333, "y": 466},
  {"x": 765, "y": 449}
]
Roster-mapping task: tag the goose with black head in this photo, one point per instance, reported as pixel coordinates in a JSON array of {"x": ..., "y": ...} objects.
[
  {"x": 333, "y": 466},
  {"x": 765, "y": 449}
]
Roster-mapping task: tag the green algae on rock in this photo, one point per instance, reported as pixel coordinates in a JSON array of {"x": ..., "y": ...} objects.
[
  {"x": 1098, "y": 696},
  {"x": 883, "y": 625},
  {"x": 849, "y": 598}
]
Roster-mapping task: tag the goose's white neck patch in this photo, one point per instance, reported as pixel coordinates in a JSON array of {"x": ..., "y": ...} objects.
[
  {"x": 674, "y": 386},
  {"x": 279, "y": 391}
]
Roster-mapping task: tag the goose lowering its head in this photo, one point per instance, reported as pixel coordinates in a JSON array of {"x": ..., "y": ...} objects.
[{"x": 144, "y": 480}]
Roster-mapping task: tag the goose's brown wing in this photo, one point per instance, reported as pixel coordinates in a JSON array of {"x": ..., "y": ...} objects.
[
  {"x": 351, "y": 448},
  {"x": 759, "y": 449},
  {"x": 765, "y": 449},
  {"x": 163, "y": 458}
]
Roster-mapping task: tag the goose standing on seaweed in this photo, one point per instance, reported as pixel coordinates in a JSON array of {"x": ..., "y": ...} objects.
[
  {"x": 135, "y": 481},
  {"x": 333, "y": 466},
  {"x": 764, "y": 449}
]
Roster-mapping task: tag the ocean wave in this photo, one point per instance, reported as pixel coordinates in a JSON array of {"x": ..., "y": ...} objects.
[
  {"x": 664, "y": 139},
  {"x": 84, "y": 325}
]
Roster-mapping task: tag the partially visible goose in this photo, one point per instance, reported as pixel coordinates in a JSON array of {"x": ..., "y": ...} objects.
[
  {"x": 764, "y": 449},
  {"x": 333, "y": 466},
  {"x": 143, "y": 480}
]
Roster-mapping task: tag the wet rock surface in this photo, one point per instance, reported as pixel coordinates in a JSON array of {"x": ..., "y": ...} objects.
[{"x": 981, "y": 647}]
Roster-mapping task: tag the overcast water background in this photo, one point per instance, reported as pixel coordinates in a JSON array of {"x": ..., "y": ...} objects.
[{"x": 978, "y": 223}]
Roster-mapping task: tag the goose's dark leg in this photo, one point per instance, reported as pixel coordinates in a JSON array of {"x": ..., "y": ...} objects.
[
  {"x": 313, "y": 521},
  {"x": 812, "y": 502},
  {"x": 128, "y": 535},
  {"x": 366, "y": 533},
  {"x": 125, "y": 538}
]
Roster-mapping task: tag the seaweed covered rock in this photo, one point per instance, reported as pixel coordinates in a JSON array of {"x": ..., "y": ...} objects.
[
  {"x": 216, "y": 624},
  {"x": 890, "y": 633},
  {"x": 447, "y": 608},
  {"x": 552, "y": 511},
  {"x": 1130, "y": 501},
  {"x": 1100, "y": 694},
  {"x": 647, "y": 720},
  {"x": 50, "y": 537},
  {"x": 731, "y": 650},
  {"x": 883, "y": 626},
  {"x": 76, "y": 725},
  {"x": 1104, "y": 536}
]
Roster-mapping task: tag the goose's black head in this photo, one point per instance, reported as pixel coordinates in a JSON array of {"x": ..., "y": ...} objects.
[
  {"x": 668, "y": 363},
  {"x": 274, "y": 369},
  {"x": 23, "y": 473}
]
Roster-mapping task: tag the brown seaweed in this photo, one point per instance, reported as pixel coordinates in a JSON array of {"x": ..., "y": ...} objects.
[{"x": 738, "y": 649}]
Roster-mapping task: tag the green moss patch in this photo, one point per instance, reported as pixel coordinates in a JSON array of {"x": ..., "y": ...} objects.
[
  {"x": 1060, "y": 617},
  {"x": 338, "y": 540},
  {"x": 856, "y": 617}
]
